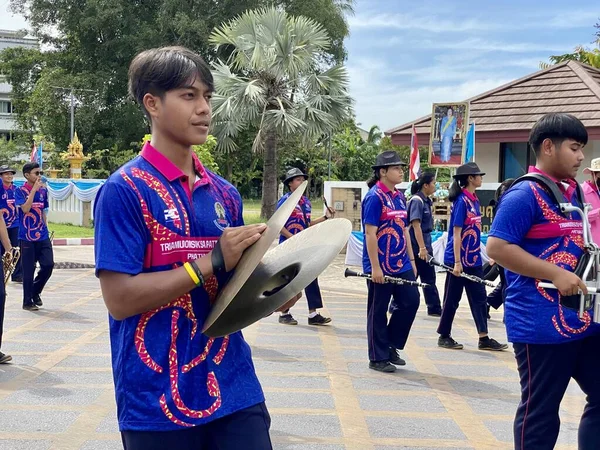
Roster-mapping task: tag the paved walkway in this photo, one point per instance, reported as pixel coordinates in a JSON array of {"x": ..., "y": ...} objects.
[{"x": 58, "y": 393}]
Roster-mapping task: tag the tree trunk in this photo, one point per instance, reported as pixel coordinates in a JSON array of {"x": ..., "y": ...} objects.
[{"x": 269, "y": 191}]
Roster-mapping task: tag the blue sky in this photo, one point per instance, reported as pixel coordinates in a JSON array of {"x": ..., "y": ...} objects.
[{"x": 405, "y": 54}]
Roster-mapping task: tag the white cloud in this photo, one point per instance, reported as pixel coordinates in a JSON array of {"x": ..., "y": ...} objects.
[
  {"x": 572, "y": 18},
  {"x": 434, "y": 24}
]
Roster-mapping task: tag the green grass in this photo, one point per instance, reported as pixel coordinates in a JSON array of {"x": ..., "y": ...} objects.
[
  {"x": 64, "y": 231},
  {"x": 252, "y": 210}
]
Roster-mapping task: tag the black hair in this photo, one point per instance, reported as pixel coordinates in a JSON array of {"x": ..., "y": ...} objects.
[
  {"x": 424, "y": 179},
  {"x": 27, "y": 168},
  {"x": 457, "y": 186},
  {"x": 160, "y": 70},
  {"x": 558, "y": 127},
  {"x": 374, "y": 178},
  {"x": 504, "y": 186}
]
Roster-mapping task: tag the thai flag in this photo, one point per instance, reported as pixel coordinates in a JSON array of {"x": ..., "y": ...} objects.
[
  {"x": 36, "y": 154},
  {"x": 33, "y": 153},
  {"x": 415, "y": 163}
]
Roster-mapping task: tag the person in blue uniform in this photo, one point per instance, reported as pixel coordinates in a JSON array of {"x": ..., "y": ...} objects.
[
  {"x": 34, "y": 239},
  {"x": 388, "y": 252},
  {"x": 300, "y": 220},
  {"x": 420, "y": 218},
  {"x": 11, "y": 216},
  {"x": 6, "y": 248},
  {"x": 534, "y": 241},
  {"x": 168, "y": 234},
  {"x": 463, "y": 251}
]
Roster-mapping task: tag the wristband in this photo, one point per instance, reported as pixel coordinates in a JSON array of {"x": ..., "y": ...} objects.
[
  {"x": 197, "y": 271},
  {"x": 191, "y": 273},
  {"x": 216, "y": 258}
]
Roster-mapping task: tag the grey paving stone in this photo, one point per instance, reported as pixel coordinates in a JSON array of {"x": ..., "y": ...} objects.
[
  {"x": 47, "y": 421},
  {"x": 26, "y": 360},
  {"x": 356, "y": 354},
  {"x": 58, "y": 324},
  {"x": 345, "y": 320},
  {"x": 396, "y": 382},
  {"x": 286, "y": 352},
  {"x": 498, "y": 406},
  {"x": 354, "y": 342},
  {"x": 405, "y": 403},
  {"x": 22, "y": 444},
  {"x": 17, "y": 346},
  {"x": 503, "y": 431},
  {"x": 294, "y": 382},
  {"x": 422, "y": 448},
  {"x": 468, "y": 356},
  {"x": 413, "y": 428},
  {"x": 263, "y": 339},
  {"x": 307, "y": 446},
  {"x": 299, "y": 400},
  {"x": 80, "y": 377},
  {"x": 95, "y": 347},
  {"x": 474, "y": 370},
  {"x": 53, "y": 396},
  {"x": 9, "y": 371},
  {"x": 109, "y": 424},
  {"x": 85, "y": 361},
  {"x": 102, "y": 445},
  {"x": 488, "y": 386},
  {"x": 48, "y": 336},
  {"x": 362, "y": 368},
  {"x": 308, "y": 425},
  {"x": 288, "y": 366}
]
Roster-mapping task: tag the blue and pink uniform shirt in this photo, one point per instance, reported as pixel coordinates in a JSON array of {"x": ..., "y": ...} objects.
[
  {"x": 167, "y": 374},
  {"x": 9, "y": 207},
  {"x": 466, "y": 215},
  {"x": 300, "y": 217},
  {"x": 528, "y": 217},
  {"x": 386, "y": 210},
  {"x": 32, "y": 226}
]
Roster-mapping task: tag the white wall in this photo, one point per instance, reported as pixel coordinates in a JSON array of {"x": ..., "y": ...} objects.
[{"x": 487, "y": 157}]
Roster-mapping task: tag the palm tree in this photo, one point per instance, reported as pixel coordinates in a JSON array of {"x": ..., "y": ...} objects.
[
  {"x": 590, "y": 57},
  {"x": 273, "y": 79}
]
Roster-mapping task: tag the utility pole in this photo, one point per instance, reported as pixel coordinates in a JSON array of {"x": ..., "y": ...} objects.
[{"x": 71, "y": 91}]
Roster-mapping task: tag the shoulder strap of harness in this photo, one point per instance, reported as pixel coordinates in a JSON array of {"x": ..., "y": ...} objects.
[{"x": 552, "y": 187}]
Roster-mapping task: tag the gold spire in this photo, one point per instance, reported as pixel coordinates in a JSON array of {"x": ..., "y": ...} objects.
[{"x": 75, "y": 149}]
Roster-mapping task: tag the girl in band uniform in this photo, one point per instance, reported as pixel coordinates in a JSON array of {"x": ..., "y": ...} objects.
[
  {"x": 464, "y": 253},
  {"x": 387, "y": 252}
]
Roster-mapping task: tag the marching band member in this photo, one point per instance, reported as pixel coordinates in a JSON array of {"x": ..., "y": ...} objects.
[
  {"x": 534, "y": 241},
  {"x": 11, "y": 216},
  {"x": 592, "y": 196},
  {"x": 420, "y": 217},
  {"x": 6, "y": 248},
  {"x": 464, "y": 253},
  {"x": 32, "y": 200},
  {"x": 388, "y": 251},
  {"x": 298, "y": 221},
  {"x": 168, "y": 233}
]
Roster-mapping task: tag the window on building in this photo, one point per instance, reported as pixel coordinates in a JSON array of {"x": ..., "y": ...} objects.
[
  {"x": 515, "y": 158},
  {"x": 5, "y": 107}
]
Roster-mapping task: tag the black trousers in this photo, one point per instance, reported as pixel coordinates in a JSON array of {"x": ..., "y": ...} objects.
[
  {"x": 545, "y": 371},
  {"x": 313, "y": 296},
  {"x": 475, "y": 294},
  {"x": 2, "y": 301},
  {"x": 247, "y": 429},
  {"x": 13, "y": 236},
  {"x": 427, "y": 275},
  {"x": 32, "y": 253},
  {"x": 381, "y": 334}
]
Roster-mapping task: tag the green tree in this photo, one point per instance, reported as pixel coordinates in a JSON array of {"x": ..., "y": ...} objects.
[
  {"x": 280, "y": 92},
  {"x": 581, "y": 54}
]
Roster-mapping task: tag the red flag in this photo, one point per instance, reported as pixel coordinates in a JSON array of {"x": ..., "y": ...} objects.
[
  {"x": 33, "y": 153},
  {"x": 415, "y": 161}
]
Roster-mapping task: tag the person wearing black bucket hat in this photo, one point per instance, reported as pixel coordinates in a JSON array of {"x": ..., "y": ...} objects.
[
  {"x": 11, "y": 216},
  {"x": 299, "y": 221},
  {"x": 463, "y": 251},
  {"x": 6, "y": 246},
  {"x": 388, "y": 252}
]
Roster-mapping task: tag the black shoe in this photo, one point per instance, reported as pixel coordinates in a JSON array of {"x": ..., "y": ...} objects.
[
  {"x": 287, "y": 319},
  {"x": 448, "y": 342},
  {"x": 395, "y": 358},
  {"x": 434, "y": 313},
  {"x": 491, "y": 344},
  {"x": 4, "y": 358},
  {"x": 30, "y": 307},
  {"x": 37, "y": 300},
  {"x": 382, "y": 366},
  {"x": 318, "y": 320}
]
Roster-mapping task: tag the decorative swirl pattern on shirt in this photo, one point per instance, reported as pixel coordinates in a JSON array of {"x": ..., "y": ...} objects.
[
  {"x": 394, "y": 241},
  {"x": 34, "y": 223},
  {"x": 470, "y": 236}
]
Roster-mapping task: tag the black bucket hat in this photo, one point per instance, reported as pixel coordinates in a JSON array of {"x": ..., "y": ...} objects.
[
  {"x": 388, "y": 159},
  {"x": 293, "y": 173},
  {"x": 6, "y": 169},
  {"x": 467, "y": 169}
]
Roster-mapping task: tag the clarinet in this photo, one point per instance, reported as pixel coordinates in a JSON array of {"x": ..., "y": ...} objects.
[
  {"x": 449, "y": 269},
  {"x": 352, "y": 273}
]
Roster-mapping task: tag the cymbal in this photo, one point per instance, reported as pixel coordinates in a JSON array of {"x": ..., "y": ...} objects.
[
  {"x": 252, "y": 255},
  {"x": 281, "y": 274}
]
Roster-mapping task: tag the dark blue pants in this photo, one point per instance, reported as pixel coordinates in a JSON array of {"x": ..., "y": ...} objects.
[
  {"x": 31, "y": 253},
  {"x": 381, "y": 334},
  {"x": 247, "y": 429},
  {"x": 545, "y": 371},
  {"x": 475, "y": 294},
  {"x": 426, "y": 273},
  {"x": 2, "y": 301},
  {"x": 313, "y": 295}
]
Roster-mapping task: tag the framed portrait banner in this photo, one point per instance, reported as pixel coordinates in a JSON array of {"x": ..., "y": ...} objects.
[{"x": 449, "y": 124}]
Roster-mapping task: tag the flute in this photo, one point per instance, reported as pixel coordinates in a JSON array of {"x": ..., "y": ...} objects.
[
  {"x": 449, "y": 269},
  {"x": 352, "y": 273}
]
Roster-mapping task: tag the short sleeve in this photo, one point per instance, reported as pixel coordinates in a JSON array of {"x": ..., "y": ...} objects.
[
  {"x": 514, "y": 217},
  {"x": 372, "y": 210},
  {"x": 459, "y": 214},
  {"x": 120, "y": 234},
  {"x": 415, "y": 209},
  {"x": 46, "y": 204},
  {"x": 20, "y": 197},
  {"x": 281, "y": 201}
]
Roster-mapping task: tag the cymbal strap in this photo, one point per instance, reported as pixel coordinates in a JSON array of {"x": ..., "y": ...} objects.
[{"x": 216, "y": 258}]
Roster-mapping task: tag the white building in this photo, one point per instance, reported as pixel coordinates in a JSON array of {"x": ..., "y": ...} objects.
[{"x": 9, "y": 39}]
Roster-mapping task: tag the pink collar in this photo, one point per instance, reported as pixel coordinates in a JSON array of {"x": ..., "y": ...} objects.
[
  {"x": 533, "y": 169},
  {"x": 167, "y": 168},
  {"x": 385, "y": 189},
  {"x": 470, "y": 196},
  {"x": 567, "y": 191}
]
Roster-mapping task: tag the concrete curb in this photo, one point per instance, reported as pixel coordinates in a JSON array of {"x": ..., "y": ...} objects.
[{"x": 73, "y": 241}]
